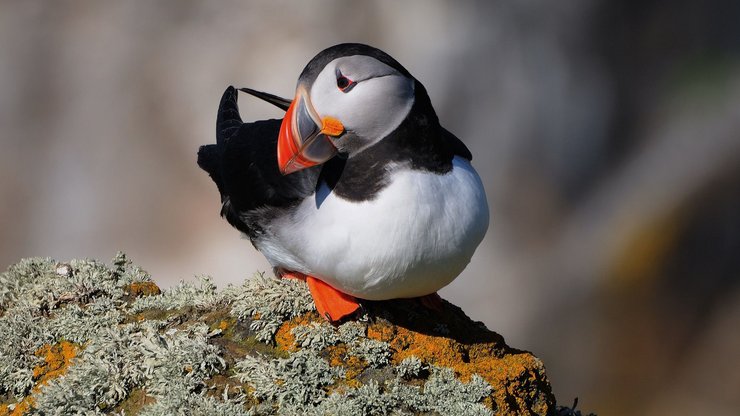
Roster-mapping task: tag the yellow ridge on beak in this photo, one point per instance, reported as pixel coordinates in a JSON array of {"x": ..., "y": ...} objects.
[{"x": 330, "y": 126}]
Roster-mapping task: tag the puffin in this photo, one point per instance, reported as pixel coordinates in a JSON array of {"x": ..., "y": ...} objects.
[{"x": 358, "y": 190}]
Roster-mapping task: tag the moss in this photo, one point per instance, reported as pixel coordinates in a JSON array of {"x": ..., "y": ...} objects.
[
  {"x": 153, "y": 314},
  {"x": 83, "y": 337},
  {"x": 135, "y": 401},
  {"x": 138, "y": 289}
]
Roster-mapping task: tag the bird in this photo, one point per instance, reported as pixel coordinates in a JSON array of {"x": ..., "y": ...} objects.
[{"x": 358, "y": 190}]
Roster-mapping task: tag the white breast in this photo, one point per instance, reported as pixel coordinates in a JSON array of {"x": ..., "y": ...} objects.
[{"x": 414, "y": 238}]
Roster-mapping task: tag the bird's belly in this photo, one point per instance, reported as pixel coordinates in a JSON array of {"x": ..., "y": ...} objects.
[{"x": 414, "y": 238}]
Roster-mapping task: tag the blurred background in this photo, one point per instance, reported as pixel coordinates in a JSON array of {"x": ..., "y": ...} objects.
[{"x": 607, "y": 135}]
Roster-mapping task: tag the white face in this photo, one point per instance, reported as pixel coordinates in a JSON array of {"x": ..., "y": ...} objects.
[{"x": 370, "y": 109}]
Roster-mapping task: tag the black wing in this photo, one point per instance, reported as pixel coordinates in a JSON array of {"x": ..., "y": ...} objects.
[
  {"x": 243, "y": 164},
  {"x": 458, "y": 147}
]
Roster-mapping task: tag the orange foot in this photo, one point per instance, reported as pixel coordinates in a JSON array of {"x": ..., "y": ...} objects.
[
  {"x": 432, "y": 301},
  {"x": 332, "y": 304}
]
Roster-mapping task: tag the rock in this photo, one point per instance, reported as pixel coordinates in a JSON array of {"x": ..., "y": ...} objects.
[{"x": 84, "y": 337}]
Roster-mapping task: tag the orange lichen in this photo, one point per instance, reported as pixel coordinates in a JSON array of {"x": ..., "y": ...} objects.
[
  {"x": 506, "y": 373},
  {"x": 381, "y": 332},
  {"x": 143, "y": 289},
  {"x": 57, "y": 359},
  {"x": 337, "y": 356},
  {"x": 284, "y": 339},
  {"x": 517, "y": 378},
  {"x": 220, "y": 319},
  {"x": 223, "y": 325},
  {"x": 20, "y": 408},
  {"x": 354, "y": 366}
]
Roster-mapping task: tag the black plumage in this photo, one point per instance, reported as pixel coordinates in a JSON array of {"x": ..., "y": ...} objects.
[{"x": 243, "y": 164}]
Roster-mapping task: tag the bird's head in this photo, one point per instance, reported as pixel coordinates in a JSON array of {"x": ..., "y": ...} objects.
[{"x": 348, "y": 97}]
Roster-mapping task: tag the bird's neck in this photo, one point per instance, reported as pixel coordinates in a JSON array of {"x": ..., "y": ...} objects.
[{"x": 418, "y": 144}]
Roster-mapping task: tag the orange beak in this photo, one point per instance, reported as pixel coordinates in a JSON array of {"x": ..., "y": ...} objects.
[{"x": 304, "y": 136}]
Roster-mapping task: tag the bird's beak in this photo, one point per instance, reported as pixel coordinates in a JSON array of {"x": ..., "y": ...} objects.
[{"x": 304, "y": 136}]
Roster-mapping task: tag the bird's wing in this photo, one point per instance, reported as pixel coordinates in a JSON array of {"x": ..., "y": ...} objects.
[
  {"x": 458, "y": 147},
  {"x": 243, "y": 164}
]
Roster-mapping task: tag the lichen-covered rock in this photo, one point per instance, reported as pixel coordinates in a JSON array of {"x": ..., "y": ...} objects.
[{"x": 83, "y": 337}]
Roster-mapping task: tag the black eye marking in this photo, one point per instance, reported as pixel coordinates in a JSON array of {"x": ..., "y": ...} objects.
[{"x": 343, "y": 83}]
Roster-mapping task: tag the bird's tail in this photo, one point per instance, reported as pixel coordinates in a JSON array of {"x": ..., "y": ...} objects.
[
  {"x": 209, "y": 159},
  {"x": 228, "y": 119},
  {"x": 228, "y": 122}
]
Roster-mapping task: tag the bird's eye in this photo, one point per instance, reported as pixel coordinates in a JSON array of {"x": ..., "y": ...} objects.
[{"x": 344, "y": 84}]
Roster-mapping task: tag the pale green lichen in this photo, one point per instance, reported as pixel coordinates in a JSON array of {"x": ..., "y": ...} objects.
[
  {"x": 375, "y": 353},
  {"x": 441, "y": 394},
  {"x": 40, "y": 304},
  {"x": 269, "y": 302},
  {"x": 291, "y": 383},
  {"x": 350, "y": 331},
  {"x": 297, "y": 385},
  {"x": 368, "y": 399},
  {"x": 43, "y": 285},
  {"x": 194, "y": 350},
  {"x": 315, "y": 336},
  {"x": 185, "y": 403},
  {"x": 44, "y": 302},
  {"x": 78, "y": 324},
  {"x": 133, "y": 355},
  {"x": 448, "y": 395},
  {"x": 185, "y": 294},
  {"x": 410, "y": 367},
  {"x": 21, "y": 334}
]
